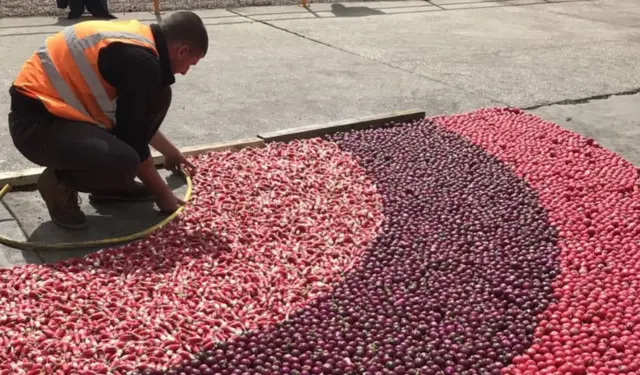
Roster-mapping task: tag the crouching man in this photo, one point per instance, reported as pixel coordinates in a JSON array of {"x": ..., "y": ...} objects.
[{"x": 89, "y": 102}]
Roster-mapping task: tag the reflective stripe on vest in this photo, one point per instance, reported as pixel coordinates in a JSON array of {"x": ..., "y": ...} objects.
[
  {"x": 29, "y": 79},
  {"x": 77, "y": 47},
  {"x": 65, "y": 92}
]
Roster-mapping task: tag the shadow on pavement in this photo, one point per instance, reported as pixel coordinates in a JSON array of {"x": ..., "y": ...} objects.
[
  {"x": 339, "y": 10},
  {"x": 10, "y": 229},
  {"x": 345, "y": 12},
  {"x": 115, "y": 219}
]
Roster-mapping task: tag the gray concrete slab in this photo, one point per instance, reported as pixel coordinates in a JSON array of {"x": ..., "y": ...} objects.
[
  {"x": 518, "y": 55},
  {"x": 336, "y": 9},
  {"x": 21, "y": 8},
  {"x": 106, "y": 220},
  {"x": 613, "y": 122},
  {"x": 10, "y": 257},
  {"x": 257, "y": 79},
  {"x": 476, "y": 4},
  {"x": 615, "y": 12},
  {"x": 551, "y": 75},
  {"x": 18, "y": 26},
  {"x": 4, "y": 213}
]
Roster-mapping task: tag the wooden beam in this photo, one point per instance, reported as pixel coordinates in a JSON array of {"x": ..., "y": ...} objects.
[{"x": 365, "y": 122}]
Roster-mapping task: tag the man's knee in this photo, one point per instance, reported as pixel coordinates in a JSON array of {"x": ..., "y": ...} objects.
[{"x": 125, "y": 164}]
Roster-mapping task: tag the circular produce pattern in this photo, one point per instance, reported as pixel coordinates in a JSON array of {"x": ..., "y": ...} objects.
[
  {"x": 266, "y": 230},
  {"x": 491, "y": 242}
]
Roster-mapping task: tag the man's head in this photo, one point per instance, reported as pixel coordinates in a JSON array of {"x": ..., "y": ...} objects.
[{"x": 187, "y": 40}]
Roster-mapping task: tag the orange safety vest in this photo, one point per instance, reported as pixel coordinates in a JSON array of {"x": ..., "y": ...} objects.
[{"x": 63, "y": 72}]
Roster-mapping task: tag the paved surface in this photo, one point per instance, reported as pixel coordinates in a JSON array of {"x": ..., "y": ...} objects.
[
  {"x": 24, "y": 215},
  {"x": 276, "y": 67},
  {"x": 21, "y": 8},
  {"x": 613, "y": 122}
]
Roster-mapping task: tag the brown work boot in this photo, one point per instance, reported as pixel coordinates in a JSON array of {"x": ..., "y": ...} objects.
[
  {"x": 137, "y": 192},
  {"x": 62, "y": 202}
]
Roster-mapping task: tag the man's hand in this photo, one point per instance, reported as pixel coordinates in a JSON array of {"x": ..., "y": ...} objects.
[
  {"x": 173, "y": 158},
  {"x": 173, "y": 162},
  {"x": 169, "y": 203},
  {"x": 165, "y": 199}
]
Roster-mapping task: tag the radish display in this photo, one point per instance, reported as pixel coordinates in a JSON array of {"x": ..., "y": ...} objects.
[
  {"x": 452, "y": 284},
  {"x": 267, "y": 229},
  {"x": 491, "y": 242},
  {"x": 593, "y": 198}
]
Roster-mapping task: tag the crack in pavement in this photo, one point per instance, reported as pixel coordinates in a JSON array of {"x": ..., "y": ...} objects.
[
  {"x": 24, "y": 233},
  {"x": 435, "y": 5},
  {"x": 562, "y": 102},
  {"x": 584, "y": 100},
  {"x": 266, "y": 23},
  {"x": 6, "y": 207}
]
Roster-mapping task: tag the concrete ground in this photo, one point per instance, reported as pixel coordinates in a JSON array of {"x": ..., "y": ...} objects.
[
  {"x": 24, "y": 216},
  {"x": 571, "y": 62}
]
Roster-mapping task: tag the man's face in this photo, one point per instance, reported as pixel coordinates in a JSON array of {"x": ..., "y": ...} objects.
[{"x": 183, "y": 59}]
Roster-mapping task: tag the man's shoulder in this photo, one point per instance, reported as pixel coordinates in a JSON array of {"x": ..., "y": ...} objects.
[
  {"x": 121, "y": 63},
  {"x": 121, "y": 52}
]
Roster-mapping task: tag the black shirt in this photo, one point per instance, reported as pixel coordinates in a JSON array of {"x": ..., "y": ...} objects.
[{"x": 137, "y": 75}]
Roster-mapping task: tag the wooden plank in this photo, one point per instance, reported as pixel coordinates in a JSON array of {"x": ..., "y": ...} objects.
[
  {"x": 29, "y": 176},
  {"x": 365, "y": 122},
  {"x": 24, "y": 177},
  {"x": 220, "y": 146}
]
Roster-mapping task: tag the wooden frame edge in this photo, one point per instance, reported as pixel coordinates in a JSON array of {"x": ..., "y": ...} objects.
[
  {"x": 28, "y": 177},
  {"x": 364, "y": 122}
]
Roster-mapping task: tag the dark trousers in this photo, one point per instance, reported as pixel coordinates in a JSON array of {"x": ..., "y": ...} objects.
[
  {"x": 86, "y": 157},
  {"x": 97, "y": 8}
]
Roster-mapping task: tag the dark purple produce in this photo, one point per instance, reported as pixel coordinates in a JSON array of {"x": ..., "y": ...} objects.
[{"x": 452, "y": 284}]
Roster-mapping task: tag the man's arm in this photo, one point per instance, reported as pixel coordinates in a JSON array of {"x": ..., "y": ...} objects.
[
  {"x": 136, "y": 74},
  {"x": 149, "y": 175},
  {"x": 163, "y": 145}
]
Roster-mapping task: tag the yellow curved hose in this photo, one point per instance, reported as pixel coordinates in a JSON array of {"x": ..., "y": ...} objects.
[{"x": 97, "y": 243}]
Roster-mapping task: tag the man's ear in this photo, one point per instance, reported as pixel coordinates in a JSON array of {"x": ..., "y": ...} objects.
[{"x": 183, "y": 51}]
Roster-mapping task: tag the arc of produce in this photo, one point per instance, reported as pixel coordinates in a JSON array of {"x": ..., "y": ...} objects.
[{"x": 28, "y": 245}]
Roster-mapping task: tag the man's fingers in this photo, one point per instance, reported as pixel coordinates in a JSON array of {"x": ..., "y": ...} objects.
[
  {"x": 189, "y": 164},
  {"x": 183, "y": 160},
  {"x": 190, "y": 168}
]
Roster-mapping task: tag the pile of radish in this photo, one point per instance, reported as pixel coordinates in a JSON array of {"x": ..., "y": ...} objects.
[
  {"x": 491, "y": 242},
  {"x": 266, "y": 230}
]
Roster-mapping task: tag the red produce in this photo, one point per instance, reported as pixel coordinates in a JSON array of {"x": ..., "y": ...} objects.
[
  {"x": 266, "y": 231},
  {"x": 593, "y": 198},
  {"x": 505, "y": 245},
  {"x": 452, "y": 284}
]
